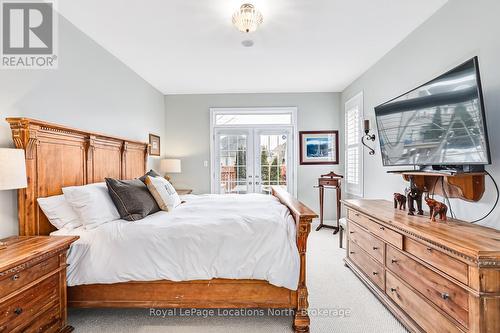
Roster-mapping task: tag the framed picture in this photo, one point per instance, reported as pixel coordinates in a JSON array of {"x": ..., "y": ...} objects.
[
  {"x": 154, "y": 145},
  {"x": 319, "y": 147}
]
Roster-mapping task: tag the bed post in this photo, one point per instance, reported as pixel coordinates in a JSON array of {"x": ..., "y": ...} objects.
[
  {"x": 303, "y": 217},
  {"x": 301, "y": 320},
  {"x": 24, "y": 136}
]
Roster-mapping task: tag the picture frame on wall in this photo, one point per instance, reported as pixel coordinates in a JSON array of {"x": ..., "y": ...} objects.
[
  {"x": 154, "y": 145},
  {"x": 319, "y": 147}
]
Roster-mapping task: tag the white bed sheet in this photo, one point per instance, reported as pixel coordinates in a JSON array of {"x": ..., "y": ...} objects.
[{"x": 248, "y": 236}]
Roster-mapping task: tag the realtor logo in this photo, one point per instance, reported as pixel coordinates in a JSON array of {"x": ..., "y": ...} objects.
[{"x": 28, "y": 34}]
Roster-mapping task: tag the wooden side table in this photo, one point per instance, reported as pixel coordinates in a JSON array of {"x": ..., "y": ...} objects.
[
  {"x": 329, "y": 181},
  {"x": 183, "y": 191},
  {"x": 33, "y": 284}
]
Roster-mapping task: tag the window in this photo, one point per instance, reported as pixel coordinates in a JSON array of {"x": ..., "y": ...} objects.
[
  {"x": 353, "y": 149},
  {"x": 253, "y": 119}
]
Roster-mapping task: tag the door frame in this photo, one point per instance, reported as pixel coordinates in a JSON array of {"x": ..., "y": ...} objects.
[{"x": 258, "y": 110}]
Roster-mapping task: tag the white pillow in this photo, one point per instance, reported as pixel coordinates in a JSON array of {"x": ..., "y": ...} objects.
[
  {"x": 92, "y": 204},
  {"x": 163, "y": 192},
  {"x": 59, "y": 212}
]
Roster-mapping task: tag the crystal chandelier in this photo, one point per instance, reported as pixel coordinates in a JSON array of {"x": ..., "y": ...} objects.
[{"x": 247, "y": 18}]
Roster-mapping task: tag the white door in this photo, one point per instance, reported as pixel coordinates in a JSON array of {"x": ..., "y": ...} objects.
[{"x": 251, "y": 160}]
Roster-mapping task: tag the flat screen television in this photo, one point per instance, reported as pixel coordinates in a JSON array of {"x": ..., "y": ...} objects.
[{"x": 441, "y": 123}]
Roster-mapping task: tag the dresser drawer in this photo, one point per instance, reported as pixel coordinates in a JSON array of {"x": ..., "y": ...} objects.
[
  {"x": 17, "y": 280},
  {"x": 422, "y": 312},
  {"x": 438, "y": 259},
  {"x": 451, "y": 298},
  {"x": 372, "y": 245},
  {"x": 376, "y": 228},
  {"x": 20, "y": 311},
  {"x": 369, "y": 266}
]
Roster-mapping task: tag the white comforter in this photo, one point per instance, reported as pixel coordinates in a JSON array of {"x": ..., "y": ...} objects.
[{"x": 209, "y": 236}]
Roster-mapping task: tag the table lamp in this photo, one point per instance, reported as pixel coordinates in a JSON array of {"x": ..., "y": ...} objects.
[
  {"x": 12, "y": 172},
  {"x": 170, "y": 165}
]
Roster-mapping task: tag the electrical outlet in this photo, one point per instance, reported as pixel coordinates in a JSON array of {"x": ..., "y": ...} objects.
[{"x": 205, "y": 164}]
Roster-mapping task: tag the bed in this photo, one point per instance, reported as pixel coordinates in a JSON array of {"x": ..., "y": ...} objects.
[{"x": 58, "y": 156}]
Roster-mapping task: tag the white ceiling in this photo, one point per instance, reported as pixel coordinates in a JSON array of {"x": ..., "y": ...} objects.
[{"x": 190, "y": 46}]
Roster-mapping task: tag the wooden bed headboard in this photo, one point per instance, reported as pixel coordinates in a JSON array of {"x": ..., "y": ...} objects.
[{"x": 58, "y": 156}]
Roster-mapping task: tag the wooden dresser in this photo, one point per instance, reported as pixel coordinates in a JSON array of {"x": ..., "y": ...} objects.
[
  {"x": 433, "y": 276},
  {"x": 33, "y": 284}
]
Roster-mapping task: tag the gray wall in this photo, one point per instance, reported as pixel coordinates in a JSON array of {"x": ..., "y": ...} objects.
[
  {"x": 91, "y": 90},
  {"x": 188, "y": 134},
  {"x": 457, "y": 32}
]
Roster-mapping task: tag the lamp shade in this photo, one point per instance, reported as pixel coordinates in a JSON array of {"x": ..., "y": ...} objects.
[
  {"x": 12, "y": 169},
  {"x": 170, "y": 165}
]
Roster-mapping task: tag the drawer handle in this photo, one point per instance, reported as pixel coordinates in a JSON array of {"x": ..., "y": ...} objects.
[
  {"x": 445, "y": 296},
  {"x": 429, "y": 249},
  {"x": 375, "y": 248},
  {"x": 351, "y": 252},
  {"x": 15, "y": 277},
  {"x": 351, "y": 232},
  {"x": 356, "y": 214},
  {"x": 18, "y": 311},
  {"x": 382, "y": 228},
  {"x": 393, "y": 261},
  {"x": 393, "y": 290},
  {"x": 375, "y": 273}
]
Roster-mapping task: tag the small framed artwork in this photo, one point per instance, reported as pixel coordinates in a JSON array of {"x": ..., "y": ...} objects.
[
  {"x": 154, "y": 145},
  {"x": 319, "y": 147}
]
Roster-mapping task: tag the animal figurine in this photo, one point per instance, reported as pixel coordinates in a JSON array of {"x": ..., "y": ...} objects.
[
  {"x": 436, "y": 208},
  {"x": 399, "y": 200},
  {"x": 414, "y": 196}
]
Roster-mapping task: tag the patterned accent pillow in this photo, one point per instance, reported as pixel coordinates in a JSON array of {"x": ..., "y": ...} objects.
[{"x": 163, "y": 192}]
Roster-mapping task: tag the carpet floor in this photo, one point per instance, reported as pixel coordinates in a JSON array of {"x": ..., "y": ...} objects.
[{"x": 339, "y": 302}]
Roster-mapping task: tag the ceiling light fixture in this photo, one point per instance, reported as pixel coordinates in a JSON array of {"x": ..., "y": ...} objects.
[{"x": 247, "y": 18}]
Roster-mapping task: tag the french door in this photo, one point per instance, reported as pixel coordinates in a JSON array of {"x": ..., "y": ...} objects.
[{"x": 252, "y": 159}]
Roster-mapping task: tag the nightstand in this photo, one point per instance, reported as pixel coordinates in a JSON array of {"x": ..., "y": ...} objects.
[
  {"x": 33, "y": 284},
  {"x": 183, "y": 191}
]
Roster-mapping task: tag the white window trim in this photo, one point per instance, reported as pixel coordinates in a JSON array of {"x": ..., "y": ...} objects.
[
  {"x": 358, "y": 100},
  {"x": 261, "y": 110}
]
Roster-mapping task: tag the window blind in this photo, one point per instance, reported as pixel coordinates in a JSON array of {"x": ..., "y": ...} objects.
[{"x": 353, "y": 163}]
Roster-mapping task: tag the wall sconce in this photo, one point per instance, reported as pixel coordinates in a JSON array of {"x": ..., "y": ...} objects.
[{"x": 367, "y": 136}]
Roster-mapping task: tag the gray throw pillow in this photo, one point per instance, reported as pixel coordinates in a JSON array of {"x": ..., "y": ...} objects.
[{"x": 131, "y": 198}]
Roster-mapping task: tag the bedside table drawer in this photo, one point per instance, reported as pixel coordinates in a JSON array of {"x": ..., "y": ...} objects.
[
  {"x": 15, "y": 281},
  {"x": 21, "y": 310},
  {"x": 47, "y": 322}
]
